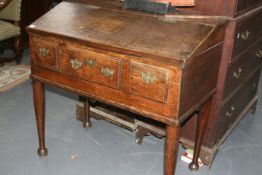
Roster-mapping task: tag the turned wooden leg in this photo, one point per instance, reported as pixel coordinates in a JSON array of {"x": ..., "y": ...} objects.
[
  {"x": 171, "y": 148},
  {"x": 39, "y": 102},
  {"x": 202, "y": 119},
  {"x": 18, "y": 50},
  {"x": 86, "y": 119}
]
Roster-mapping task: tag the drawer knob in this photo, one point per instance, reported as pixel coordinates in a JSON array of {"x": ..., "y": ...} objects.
[
  {"x": 259, "y": 53},
  {"x": 148, "y": 78},
  {"x": 230, "y": 113},
  {"x": 237, "y": 73},
  {"x": 75, "y": 64},
  {"x": 90, "y": 63},
  {"x": 245, "y": 35},
  {"x": 107, "y": 72},
  {"x": 43, "y": 52}
]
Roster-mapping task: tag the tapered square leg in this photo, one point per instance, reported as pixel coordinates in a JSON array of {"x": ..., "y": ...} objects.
[
  {"x": 171, "y": 148},
  {"x": 39, "y": 103}
]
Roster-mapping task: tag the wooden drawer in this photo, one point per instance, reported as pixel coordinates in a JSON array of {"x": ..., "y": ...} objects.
[
  {"x": 244, "y": 5},
  {"x": 247, "y": 31},
  {"x": 233, "y": 107},
  {"x": 87, "y": 65},
  {"x": 245, "y": 64},
  {"x": 45, "y": 53},
  {"x": 148, "y": 81}
]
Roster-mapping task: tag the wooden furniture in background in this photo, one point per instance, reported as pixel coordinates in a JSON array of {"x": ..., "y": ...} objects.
[
  {"x": 10, "y": 28},
  {"x": 32, "y": 10},
  {"x": 239, "y": 71},
  {"x": 230, "y": 8},
  {"x": 126, "y": 62},
  {"x": 4, "y": 3}
]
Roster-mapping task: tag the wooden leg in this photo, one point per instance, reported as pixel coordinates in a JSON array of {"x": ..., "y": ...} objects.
[
  {"x": 18, "y": 50},
  {"x": 202, "y": 120},
  {"x": 171, "y": 148},
  {"x": 39, "y": 102},
  {"x": 86, "y": 119}
]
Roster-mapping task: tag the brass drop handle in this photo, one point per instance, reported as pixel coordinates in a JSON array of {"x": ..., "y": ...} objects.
[
  {"x": 237, "y": 73},
  {"x": 107, "y": 72},
  {"x": 259, "y": 53},
  {"x": 148, "y": 78},
  {"x": 230, "y": 113},
  {"x": 43, "y": 52},
  {"x": 244, "y": 35},
  {"x": 75, "y": 64},
  {"x": 90, "y": 63}
]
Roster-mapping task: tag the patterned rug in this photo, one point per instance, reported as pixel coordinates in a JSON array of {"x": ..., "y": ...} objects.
[{"x": 13, "y": 75}]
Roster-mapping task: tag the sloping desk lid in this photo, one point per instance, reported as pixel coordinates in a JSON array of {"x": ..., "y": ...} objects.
[{"x": 176, "y": 40}]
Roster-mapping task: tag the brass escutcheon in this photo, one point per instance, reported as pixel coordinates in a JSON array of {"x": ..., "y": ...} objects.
[
  {"x": 90, "y": 63},
  {"x": 230, "y": 113},
  {"x": 148, "y": 78},
  {"x": 245, "y": 35},
  {"x": 237, "y": 73},
  {"x": 43, "y": 51},
  {"x": 75, "y": 64},
  {"x": 107, "y": 72},
  {"x": 259, "y": 53}
]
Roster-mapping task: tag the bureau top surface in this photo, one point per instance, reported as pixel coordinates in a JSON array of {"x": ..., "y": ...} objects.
[{"x": 174, "y": 39}]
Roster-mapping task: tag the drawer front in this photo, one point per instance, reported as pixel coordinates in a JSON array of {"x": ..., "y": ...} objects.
[
  {"x": 245, "y": 64},
  {"x": 247, "y": 31},
  {"x": 97, "y": 68},
  {"x": 232, "y": 108},
  {"x": 148, "y": 81},
  {"x": 243, "y": 5},
  {"x": 45, "y": 53}
]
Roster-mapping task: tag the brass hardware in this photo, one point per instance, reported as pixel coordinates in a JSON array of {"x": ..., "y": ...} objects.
[
  {"x": 106, "y": 71},
  {"x": 90, "y": 63},
  {"x": 237, "y": 74},
  {"x": 245, "y": 35},
  {"x": 75, "y": 64},
  {"x": 43, "y": 52},
  {"x": 259, "y": 53},
  {"x": 230, "y": 113},
  {"x": 148, "y": 78}
]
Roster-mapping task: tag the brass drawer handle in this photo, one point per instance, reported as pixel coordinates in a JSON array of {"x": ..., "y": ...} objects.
[
  {"x": 259, "y": 53},
  {"x": 245, "y": 35},
  {"x": 237, "y": 73},
  {"x": 230, "y": 113},
  {"x": 107, "y": 72},
  {"x": 43, "y": 52},
  {"x": 148, "y": 78},
  {"x": 75, "y": 64},
  {"x": 90, "y": 63}
]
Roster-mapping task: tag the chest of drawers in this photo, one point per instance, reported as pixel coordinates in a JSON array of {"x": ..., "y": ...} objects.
[
  {"x": 231, "y": 8},
  {"x": 126, "y": 60},
  {"x": 238, "y": 75}
]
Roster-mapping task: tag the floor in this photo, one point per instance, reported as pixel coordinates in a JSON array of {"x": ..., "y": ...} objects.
[{"x": 104, "y": 149}]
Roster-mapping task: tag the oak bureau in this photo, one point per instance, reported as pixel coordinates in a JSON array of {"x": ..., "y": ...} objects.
[{"x": 162, "y": 68}]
